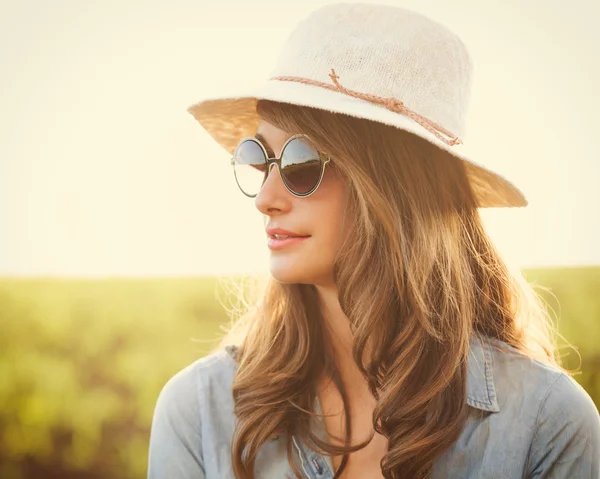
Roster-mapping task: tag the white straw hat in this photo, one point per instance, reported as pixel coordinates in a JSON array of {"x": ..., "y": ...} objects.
[{"x": 377, "y": 62}]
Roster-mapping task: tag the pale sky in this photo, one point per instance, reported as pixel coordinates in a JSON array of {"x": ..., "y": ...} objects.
[{"x": 104, "y": 173}]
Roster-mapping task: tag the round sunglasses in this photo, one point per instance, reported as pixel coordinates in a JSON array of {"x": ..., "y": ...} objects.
[{"x": 301, "y": 165}]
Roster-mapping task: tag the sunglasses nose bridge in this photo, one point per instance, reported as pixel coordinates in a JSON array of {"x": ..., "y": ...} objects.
[
  {"x": 268, "y": 178},
  {"x": 270, "y": 165},
  {"x": 271, "y": 162}
]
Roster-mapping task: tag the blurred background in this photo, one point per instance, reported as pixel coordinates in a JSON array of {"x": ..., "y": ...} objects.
[{"x": 119, "y": 216}]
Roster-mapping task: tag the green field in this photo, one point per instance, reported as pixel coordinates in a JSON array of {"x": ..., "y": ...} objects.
[{"x": 82, "y": 362}]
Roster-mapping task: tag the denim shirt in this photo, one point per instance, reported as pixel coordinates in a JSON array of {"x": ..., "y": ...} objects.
[{"x": 526, "y": 420}]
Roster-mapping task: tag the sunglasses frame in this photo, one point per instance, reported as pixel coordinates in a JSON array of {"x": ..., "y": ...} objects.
[{"x": 277, "y": 160}]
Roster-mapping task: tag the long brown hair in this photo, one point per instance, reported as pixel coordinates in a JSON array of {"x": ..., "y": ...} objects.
[{"x": 417, "y": 277}]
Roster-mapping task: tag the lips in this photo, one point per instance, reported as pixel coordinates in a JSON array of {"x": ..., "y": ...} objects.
[
  {"x": 278, "y": 236},
  {"x": 280, "y": 233},
  {"x": 275, "y": 243}
]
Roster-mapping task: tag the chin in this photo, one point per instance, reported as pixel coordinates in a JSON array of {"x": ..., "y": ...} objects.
[
  {"x": 292, "y": 272},
  {"x": 288, "y": 275}
]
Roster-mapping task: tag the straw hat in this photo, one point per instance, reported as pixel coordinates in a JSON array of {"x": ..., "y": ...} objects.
[{"x": 377, "y": 62}]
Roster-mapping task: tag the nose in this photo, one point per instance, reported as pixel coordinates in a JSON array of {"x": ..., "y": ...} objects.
[{"x": 273, "y": 195}]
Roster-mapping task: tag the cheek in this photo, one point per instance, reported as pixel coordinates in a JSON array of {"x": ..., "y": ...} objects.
[
  {"x": 323, "y": 213},
  {"x": 329, "y": 211}
]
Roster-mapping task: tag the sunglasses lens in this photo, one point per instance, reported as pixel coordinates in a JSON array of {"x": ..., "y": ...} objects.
[
  {"x": 301, "y": 165},
  {"x": 249, "y": 167}
]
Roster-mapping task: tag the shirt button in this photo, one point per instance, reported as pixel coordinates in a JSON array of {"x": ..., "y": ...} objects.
[{"x": 318, "y": 465}]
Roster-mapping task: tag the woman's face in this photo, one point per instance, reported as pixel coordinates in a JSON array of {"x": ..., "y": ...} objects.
[{"x": 319, "y": 216}]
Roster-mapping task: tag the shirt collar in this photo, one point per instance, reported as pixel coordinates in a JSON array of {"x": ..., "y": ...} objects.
[{"x": 481, "y": 391}]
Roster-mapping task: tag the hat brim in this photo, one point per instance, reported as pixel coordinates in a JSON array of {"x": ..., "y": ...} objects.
[{"x": 230, "y": 118}]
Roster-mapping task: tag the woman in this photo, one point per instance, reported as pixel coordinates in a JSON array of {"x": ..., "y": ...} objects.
[{"x": 391, "y": 340}]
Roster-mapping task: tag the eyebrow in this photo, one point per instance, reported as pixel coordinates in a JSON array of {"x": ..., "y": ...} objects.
[{"x": 262, "y": 139}]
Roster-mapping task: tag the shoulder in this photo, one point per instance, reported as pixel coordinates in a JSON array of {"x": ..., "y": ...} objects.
[
  {"x": 547, "y": 384},
  {"x": 192, "y": 416},
  {"x": 566, "y": 404},
  {"x": 563, "y": 420},
  {"x": 204, "y": 382}
]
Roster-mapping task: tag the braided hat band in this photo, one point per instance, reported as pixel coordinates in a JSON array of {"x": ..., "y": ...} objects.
[{"x": 392, "y": 104}]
